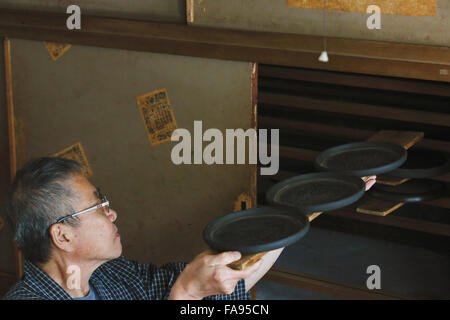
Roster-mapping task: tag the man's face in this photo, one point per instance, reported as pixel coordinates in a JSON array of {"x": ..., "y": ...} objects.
[{"x": 96, "y": 239}]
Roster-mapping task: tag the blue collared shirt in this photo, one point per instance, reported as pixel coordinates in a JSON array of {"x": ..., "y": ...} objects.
[
  {"x": 118, "y": 279},
  {"x": 92, "y": 295}
]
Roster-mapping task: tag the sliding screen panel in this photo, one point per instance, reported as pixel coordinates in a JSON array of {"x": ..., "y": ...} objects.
[
  {"x": 88, "y": 96},
  {"x": 416, "y": 21}
]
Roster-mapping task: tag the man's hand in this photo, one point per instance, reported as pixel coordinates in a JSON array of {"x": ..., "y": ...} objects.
[
  {"x": 370, "y": 182},
  {"x": 209, "y": 275}
]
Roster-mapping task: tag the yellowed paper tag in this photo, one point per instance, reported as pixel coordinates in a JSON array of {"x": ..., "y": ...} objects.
[
  {"x": 76, "y": 152},
  {"x": 158, "y": 116},
  {"x": 56, "y": 50},
  {"x": 399, "y": 7}
]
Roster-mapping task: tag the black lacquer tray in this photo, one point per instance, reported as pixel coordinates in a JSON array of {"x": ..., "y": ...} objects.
[
  {"x": 316, "y": 192},
  {"x": 256, "y": 230},
  {"x": 362, "y": 158}
]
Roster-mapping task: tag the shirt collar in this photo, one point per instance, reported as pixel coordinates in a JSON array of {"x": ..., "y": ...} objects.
[{"x": 43, "y": 284}]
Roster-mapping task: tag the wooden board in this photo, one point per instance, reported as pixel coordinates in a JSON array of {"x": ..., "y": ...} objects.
[
  {"x": 406, "y": 139},
  {"x": 84, "y": 97},
  {"x": 378, "y": 207},
  {"x": 10, "y": 109},
  {"x": 13, "y": 127},
  {"x": 390, "y": 181},
  {"x": 312, "y": 216},
  {"x": 246, "y": 261},
  {"x": 7, "y": 261}
]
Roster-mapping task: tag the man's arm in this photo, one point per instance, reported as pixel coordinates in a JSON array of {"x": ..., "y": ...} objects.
[{"x": 210, "y": 275}]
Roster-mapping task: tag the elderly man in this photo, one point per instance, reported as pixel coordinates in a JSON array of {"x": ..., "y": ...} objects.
[{"x": 65, "y": 229}]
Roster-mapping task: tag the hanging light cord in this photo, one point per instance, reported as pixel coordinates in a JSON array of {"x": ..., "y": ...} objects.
[{"x": 324, "y": 25}]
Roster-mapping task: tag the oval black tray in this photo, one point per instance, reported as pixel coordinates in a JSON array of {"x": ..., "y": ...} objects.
[
  {"x": 422, "y": 163},
  {"x": 316, "y": 192},
  {"x": 415, "y": 190},
  {"x": 362, "y": 158},
  {"x": 256, "y": 230}
]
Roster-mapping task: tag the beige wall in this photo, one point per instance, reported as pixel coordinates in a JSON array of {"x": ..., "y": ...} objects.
[
  {"x": 89, "y": 95},
  {"x": 157, "y": 10},
  {"x": 276, "y": 16}
]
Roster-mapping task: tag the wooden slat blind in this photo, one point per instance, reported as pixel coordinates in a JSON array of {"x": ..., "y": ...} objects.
[{"x": 316, "y": 109}]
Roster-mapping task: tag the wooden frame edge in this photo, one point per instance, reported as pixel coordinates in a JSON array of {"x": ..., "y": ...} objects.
[
  {"x": 12, "y": 136},
  {"x": 254, "y": 125},
  {"x": 10, "y": 108}
]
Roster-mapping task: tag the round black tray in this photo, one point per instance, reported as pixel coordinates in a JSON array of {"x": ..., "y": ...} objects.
[
  {"x": 415, "y": 190},
  {"x": 256, "y": 230},
  {"x": 422, "y": 163},
  {"x": 316, "y": 192},
  {"x": 362, "y": 158}
]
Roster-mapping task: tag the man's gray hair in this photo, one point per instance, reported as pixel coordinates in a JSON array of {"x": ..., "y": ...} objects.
[{"x": 39, "y": 195}]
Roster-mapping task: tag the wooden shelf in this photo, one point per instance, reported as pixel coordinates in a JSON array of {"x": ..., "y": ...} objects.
[
  {"x": 298, "y": 153},
  {"x": 356, "y": 80},
  {"x": 325, "y": 286},
  {"x": 394, "y": 221},
  {"x": 343, "y": 132},
  {"x": 358, "y": 109},
  {"x": 293, "y": 101}
]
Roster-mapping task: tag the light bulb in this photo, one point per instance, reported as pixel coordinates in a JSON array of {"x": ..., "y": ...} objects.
[{"x": 323, "y": 57}]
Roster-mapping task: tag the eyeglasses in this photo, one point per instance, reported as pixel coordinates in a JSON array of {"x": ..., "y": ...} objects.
[{"x": 104, "y": 203}]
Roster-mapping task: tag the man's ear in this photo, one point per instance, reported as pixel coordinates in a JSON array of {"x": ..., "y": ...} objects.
[{"x": 62, "y": 237}]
